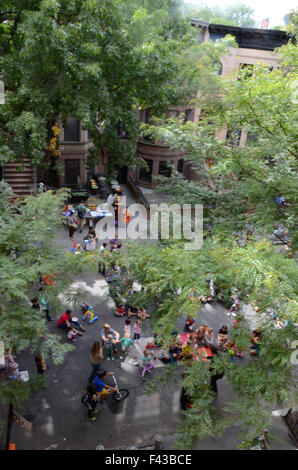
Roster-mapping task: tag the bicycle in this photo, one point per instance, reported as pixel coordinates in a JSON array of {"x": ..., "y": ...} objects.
[{"x": 120, "y": 393}]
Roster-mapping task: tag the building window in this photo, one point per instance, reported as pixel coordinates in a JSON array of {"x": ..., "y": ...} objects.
[
  {"x": 180, "y": 165},
  {"x": 233, "y": 137},
  {"x": 146, "y": 173},
  {"x": 71, "y": 172},
  {"x": 147, "y": 116},
  {"x": 251, "y": 139},
  {"x": 188, "y": 115},
  {"x": 247, "y": 71},
  {"x": 164, "y": 169},
  {"x": 120, "y": 131},
  {"x": 217, "y": 66},
  {"x": 72, "y": 130}
]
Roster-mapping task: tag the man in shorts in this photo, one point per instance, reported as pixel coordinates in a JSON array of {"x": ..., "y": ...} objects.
[{"x": 81, "y": 212}]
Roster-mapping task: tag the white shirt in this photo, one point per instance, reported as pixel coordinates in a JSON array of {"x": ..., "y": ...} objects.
[{"x": 111, "y": 199}]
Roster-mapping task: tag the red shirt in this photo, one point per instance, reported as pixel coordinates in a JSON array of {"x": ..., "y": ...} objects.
[{"x": 64, "y": 317}]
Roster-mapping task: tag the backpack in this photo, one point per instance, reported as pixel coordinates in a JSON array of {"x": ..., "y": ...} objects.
[{"x": 81, "y": 211}]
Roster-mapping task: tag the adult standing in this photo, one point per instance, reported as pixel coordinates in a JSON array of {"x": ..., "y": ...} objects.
[
  {"x": 96, "y": 356},
  {"x": 81, "y": 212},
  {"x": 72, "y": 224},
  {"x": 44, "y": 303},
  {"x": 111, "y": 199}
]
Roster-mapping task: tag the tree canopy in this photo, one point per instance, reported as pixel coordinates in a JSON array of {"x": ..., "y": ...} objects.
[
  {"x": 93, "y": 60},
  {"x": 238, "y": 186}
]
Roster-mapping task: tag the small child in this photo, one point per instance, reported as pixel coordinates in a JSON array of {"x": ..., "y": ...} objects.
[
  {"x": 142, "y": 314},
  {"x": 209, "y": 335},
  {"x": 151, "y": 347},
  {"x": 146, "y": 363},
  {"x": 193, "y": 340},
  {"x": 40, "y": 364},
  {"x": 189, "y": 324},
  {"x": 109, "y": 347},
  {"x": 234, "y": 309},
  {"x": 120, "y": 312},
  {"x": 90, "y": 399},
  {"x": 72, "y": 334},
  {"x": 176, "y": 351},
  {"x": 11, "y": 365},
  {"x": 127, "y": 327},
  {"x": 137, "y": 330},
  {"x": 103, "y": 390},
  {"x": 222, "y": 336},
  {"x": 187, "y": 351},
  {"x": 126, "y": 342}
]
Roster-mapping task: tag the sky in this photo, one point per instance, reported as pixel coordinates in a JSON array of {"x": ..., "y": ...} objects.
[{"x": 273, "y": 9}]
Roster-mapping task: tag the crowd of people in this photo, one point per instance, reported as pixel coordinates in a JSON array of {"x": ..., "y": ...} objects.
[{"x": 201, "y": 343}]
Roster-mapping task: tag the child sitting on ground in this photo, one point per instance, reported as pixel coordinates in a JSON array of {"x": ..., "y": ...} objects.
[
  {"x": 209, "y": 336},
  {"x": 176, "y": 351},
  {"x": 150, "y": 346},
  {"x": 142, "y": 315},
  {"x": 222, "y": 336},
  {"x": 189, "y": 324},
  {"x": 147, "y": 363},
  {"x": 234, "y": 309},
  {"x": 193, "y": 340},
  {"x": 72, "y": 334},
  {"x": 187, "y": 351},
  {"x": 120, "y": 312}
]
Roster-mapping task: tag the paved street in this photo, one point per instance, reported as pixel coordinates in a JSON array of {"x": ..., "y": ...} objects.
[{"x": 60, "y": 420}]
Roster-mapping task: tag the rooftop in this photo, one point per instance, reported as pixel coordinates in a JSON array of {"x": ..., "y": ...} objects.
[{"x": 249, "y": 38}]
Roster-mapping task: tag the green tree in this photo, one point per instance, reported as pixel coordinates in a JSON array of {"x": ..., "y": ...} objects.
[
  {"x": 27, "y": 251},
  {"x": 94, "y": 60},
  {"x": 241, "y": 184}
]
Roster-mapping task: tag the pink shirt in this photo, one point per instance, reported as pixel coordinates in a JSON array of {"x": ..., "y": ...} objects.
[
  {"x": 127, "y": 329},
  {"x": 64, "y": 317},
  {"x": 137, "y": 329}
]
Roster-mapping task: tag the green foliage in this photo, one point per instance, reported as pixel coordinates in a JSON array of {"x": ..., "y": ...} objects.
[
  {"x": 97, "y": 60},
  {"x": 241, "y": 182},
  {"x": 28, "y": 250},
  {"x": 238, "y": 187}
]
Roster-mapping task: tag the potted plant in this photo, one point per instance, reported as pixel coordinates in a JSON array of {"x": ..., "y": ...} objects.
[{"x": 78, "y": 196}]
